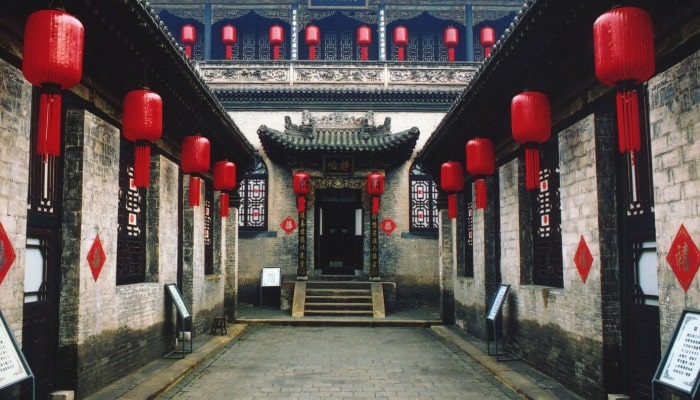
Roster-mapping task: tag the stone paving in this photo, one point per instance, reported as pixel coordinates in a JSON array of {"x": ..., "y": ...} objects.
[{"x": 269, "y": 362}]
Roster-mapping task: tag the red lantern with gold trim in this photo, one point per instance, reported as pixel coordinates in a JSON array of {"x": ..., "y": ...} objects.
[
  {"x": 375, "y": 188},
  {"x": 480, "y": 163},
  {"x": 531, "y": 124},
  {"x": 451, "y": 183},
  {"x": 224, "y": 180},
  {"x": 487, "y": 38},
  {"x": 623, "y": 46},
  {"x": 450, "y": 38},
  {"x": 401, "y": 41},
  {"x": 188, "y": 35},
  {"x": 196, "y": 155},
  {"x": 301, "y": 183},
  {"x": 143, "y": 125},
  {"x": 276, "y": 40},
  {"x": 364, "y": 40},
  {"x": 229, "y": 37},
  {"x": 52, "y": 59},
  {"x": 312, "y": 37}
]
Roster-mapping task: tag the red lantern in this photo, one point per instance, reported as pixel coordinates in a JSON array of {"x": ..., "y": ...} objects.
[
  {"x": 451, "y": 183},
  {"x": 480, "y": 163},
  {"x": 450, "y": 38},
  {"x": 531, "y": 124},
  {"x": 401, "y": 40},
  {"x": 143, "y": 125},
  {"x": 195, "y": 160},
  {"x": 623, "y": 46},
  {"x": 224, "y": 180},
  {"x": 364, "y": 40},
  {"x": 276, "y": 40},
  {"x": 312, "y": 38},
  {"x": 301, "y": 183},
  {"x": 375, "y": 188},
  {"x": 53, "y": 59},
  {"x": 189, "y": 38},
  {"x": 487, "y": 37},
  {"x": 229, "y": 37}
]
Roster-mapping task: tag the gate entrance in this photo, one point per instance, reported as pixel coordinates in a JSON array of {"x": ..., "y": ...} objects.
[{"x": 338, "y": 231}]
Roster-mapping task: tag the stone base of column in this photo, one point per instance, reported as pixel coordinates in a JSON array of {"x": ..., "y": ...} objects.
[
  {"x": 375, "y": 278},
  {"x": 303, "y": 278}
]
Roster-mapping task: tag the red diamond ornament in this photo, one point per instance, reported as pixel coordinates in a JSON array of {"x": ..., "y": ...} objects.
[
  {"x": 96, "y": 258},
  {"x": 684, "y": 258},
  {"x": 289, "y": 225},
  {"x": 583, "y": 259},
  {"x": 388, "y": 226},
  {"x": 7, "y": 254}
]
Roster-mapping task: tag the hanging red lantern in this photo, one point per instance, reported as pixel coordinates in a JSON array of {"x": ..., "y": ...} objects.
[
  {"x": 480, "y": 163},
  {"x": 276, "y": 40},
  {"x": 52, "y": 59},
  {"x": 196, "y": 155},
  {"x": 623, "y": 46},
  {"x": 143, "y": 125},
  {"x": 188, "y": 35},
  {"x": 531, "y": 125},
  {"x": 229, "y": 37},
  {"x": 375, "y": 188},
  {"x": 301, "y": 184},
  {"x": 401, "y": 41},
  {"x": 364, "y": 40},
  {"x": 224, "y": 180},
  {"x": 312, "y": 37},
  {"x": 487, "y": 38},
  {"x": 451, "y": 183},
  {"x": 450, "y": 38}
]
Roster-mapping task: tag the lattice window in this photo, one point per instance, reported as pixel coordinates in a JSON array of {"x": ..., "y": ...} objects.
[
  {"x": 423, "y": 202},
  {"x": 469, "y": 232},
  {"x": 208, "y": 228},
  {"x": 546, "y": 221},
  {"x": 131, "y": 232},
  {"x": 253, "y": 194}
]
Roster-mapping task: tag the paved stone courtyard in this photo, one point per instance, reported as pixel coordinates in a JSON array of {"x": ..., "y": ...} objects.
[{"x": 339, "y": 363}]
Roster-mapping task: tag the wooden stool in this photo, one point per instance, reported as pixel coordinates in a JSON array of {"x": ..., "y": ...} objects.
[{"x": 219, "y": 322}]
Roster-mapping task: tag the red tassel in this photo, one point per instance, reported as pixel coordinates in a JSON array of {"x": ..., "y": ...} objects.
[
  {"x": 375, "y": 204},
  {"x": 532, "y": 168},
  {"x": 229, "y": 52},
  {"x": 301, "y": 204},
  {"x": 402, "y": 54},
  {"x": 49, "y": 133},
  {"x": 628, "y": 121},
  {"x": 451, "y": 54},
  {"x": 487, "y": 51},
  {"x": 312, "y": 53},
  {"x": 364, "y": 53},
  {"x": 194, "y": 191},
  {"x": 223, "y": 204},
  {"x": 142, "y": 165},
  {"x": 275, "y": 52},
  {"x": 188, "y": 51},
  {"x": 452, "y": 206},
  {"x": 481, "y": 194}
]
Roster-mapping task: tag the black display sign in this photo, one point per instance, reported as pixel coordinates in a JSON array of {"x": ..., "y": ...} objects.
[
  {"x": 680, "y": 366},
  {"x": 338, "y": 165},
  {"x": 338, "y": 3}
]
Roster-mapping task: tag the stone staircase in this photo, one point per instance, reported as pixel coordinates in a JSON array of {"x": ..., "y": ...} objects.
[{"x": 338, "y": 298}]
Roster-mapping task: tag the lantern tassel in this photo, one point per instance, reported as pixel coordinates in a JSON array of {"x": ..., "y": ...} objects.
[
  {"x": 275, "y": 52},
  {"x": 452, "y": 206},
  {"x": 375, "y": 204},
  {"x": 451, "y": 54},
  {"x": 229, "y": 52},
  {"x": 364, "y": 53},
  {"x": 532, "y": 168},
  {"x": 628, "y": 121},
  {"x": 194, "y": 191},
  {"x": 402, "y": 54},
  {"x": 487, "y": 51},
  {"x": 142, "y": 165},
  {"x": 312, "y": 53},
  {"x": 49, "y": 133},
  {"x": 301, "y": 204},
  {"x": 481, "y": 194},
  {"x": 188, "y": 51},
  {"x": 223, "y": 205}
]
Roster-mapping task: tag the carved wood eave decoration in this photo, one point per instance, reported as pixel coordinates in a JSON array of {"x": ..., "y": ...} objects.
[{"x": 318, "y": 137}]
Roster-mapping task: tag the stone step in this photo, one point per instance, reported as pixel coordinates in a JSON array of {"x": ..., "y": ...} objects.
[
  {"x": 335, "y": 299},
  {"x": 337, "y": 292},
  {"x": 336, "y": 306},
  {"x": 339, "y": 312}
]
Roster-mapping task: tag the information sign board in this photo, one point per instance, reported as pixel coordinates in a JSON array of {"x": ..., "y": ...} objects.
[
  {"x": 680, "y": 365},
  {"x": 13, "y": 365},
  {"x": 177, "y": 300},
  {"x": 271, "y": 277},
  {"x": 497, "y": 302}
]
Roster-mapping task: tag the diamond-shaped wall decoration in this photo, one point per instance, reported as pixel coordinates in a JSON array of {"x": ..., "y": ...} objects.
[
  {"x": 583, "y": 259},
  {"x": 96, "y": 258},
  {"x": 7, "y": 254},
  {"x": 388, "y": 225},
  {"x": 289, "y": 225},
  {"x": 684, "y": 258}
]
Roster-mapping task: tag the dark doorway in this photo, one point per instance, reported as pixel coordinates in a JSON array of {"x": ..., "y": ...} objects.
[{"x": 338, "y": 231}]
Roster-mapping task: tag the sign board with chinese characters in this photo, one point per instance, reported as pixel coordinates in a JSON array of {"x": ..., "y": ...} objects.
[
  {"x": 338, "y": 165},
  {"x": 338, "y": 3},
  {"x": 177, "y": 300},
  {"x": 13, "y": 365},
  {"x": 497, "y": 302},
  {"x": 680, "y": 363},
  {"x": 270, "y": 277}
]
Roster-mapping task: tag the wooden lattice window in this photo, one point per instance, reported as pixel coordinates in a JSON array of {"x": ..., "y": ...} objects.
[
  {"x": 131, "y": 227},
  {"x": 423, "y": 202},
  {"x": 252, "y": 191}
]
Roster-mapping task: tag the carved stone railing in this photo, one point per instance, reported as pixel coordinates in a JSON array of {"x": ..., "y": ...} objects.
[{"x": 226, "y": 74}]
